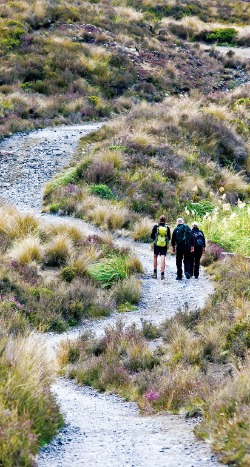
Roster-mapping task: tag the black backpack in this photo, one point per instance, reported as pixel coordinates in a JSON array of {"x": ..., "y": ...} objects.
[
  {"x": 198, "y": 238},
  {"x": 183, "y": 235}
]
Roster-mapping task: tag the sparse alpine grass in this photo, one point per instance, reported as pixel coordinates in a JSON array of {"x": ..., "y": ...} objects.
[
  {"x": 229, "y": 228},
  {"x": 70, "y": 72},
  {"x": 54, "y": 276},
  {"x": 197, "y": 368},
  {"x": 194, "y": 149},
  {"x": 29, "y": 415}
]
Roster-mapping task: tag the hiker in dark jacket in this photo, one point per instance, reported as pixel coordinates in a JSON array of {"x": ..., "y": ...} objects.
[
  {"x": 181, "y": 243},
  {"x": 198, "y": 245},
  {"x": 161, "y": 236}
]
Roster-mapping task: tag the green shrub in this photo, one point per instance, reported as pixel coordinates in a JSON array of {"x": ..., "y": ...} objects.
[
  {"x": 126, "y": 307},
  {"x": 54, "y": 207},
  {"x": 200, "y": 209},
  {"x": 11, "y": 34},
  {"x": 150, "y": 330},
  {"x": 69, "y": 176},
  {"x": 68, "y": 274},
  {"x": 103, "y": 191},
  {"x": 222, "y": 36},
  {"x": 109, "y": 270}
]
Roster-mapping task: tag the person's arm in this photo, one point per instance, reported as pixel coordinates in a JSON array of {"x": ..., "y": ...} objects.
[
  {"x": 192, "y": 243},
  {"x": 153, "y": 233},
  {"x": 173, "y": 241},
  {"x": 192, "y": 239},
  {"x": 204, "y": 242},
  {"x": 168, "y": 234}
]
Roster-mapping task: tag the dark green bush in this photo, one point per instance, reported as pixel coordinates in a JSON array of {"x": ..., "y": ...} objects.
[
  {"x": 68, "y": 274},
  {"x": 222, "y": 36},
  {"x": 103, "y": 191}
]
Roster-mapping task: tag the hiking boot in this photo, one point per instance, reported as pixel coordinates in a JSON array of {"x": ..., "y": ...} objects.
[
  {"x": 196, "y": 277},
  {"x": 162, "y": 276},
  {"x": 154, "y": 275},
  {"x": 188, "y": 276},
  {"x": 179, "y": 278}
]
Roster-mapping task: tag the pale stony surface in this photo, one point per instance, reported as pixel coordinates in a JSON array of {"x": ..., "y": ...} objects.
[
  {"x": 242, "y": 52},
  {"x": 102, "y": 430},
  {"x": 30, "y": 160}
]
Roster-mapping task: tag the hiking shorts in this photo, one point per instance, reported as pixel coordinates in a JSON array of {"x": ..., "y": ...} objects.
[{"x": 160, "y": 250}]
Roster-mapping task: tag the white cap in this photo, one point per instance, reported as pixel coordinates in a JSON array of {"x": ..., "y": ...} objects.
[{"x": 180, "y": 220}]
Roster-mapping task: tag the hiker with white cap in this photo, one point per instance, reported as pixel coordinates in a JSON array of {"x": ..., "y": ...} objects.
[
  {"x": 198, "y": 245},
  {"x": 181, "y": 243}
]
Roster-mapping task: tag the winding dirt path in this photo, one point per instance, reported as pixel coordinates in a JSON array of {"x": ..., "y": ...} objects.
[
  {"x": 102, "y": 430},
  {"x": 242, "y": 52}
]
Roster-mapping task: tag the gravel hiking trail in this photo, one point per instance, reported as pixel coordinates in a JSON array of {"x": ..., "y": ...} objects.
[
  {"x": 101, "y": 429},
  {"x": 242, "y": 52}
]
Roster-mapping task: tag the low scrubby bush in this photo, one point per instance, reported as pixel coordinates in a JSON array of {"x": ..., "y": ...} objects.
[
  {"x": 213, "y": 253},
  {"x": 226, "y": 421},
  {"x": 127, "y": 291},
  {"x": 222, "y": 36},
  {"x": 103, "y": 191}
]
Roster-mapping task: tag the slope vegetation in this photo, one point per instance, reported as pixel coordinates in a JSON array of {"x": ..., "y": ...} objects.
[
  {"x": 184, "y": 155},
  {"x": 51, "y": 277},
  {"x": 67, "y": 61}
]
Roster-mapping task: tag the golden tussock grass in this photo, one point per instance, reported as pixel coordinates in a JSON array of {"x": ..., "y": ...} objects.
[
  {"x": 66, "y": 229},
  {"x": 59, "y": 250},
  {"x": 28, "y": 415},
  {"x": 142, "y": 229},
  {"x": 112, "y": 157},
  {"x": 27, "y": 250}
]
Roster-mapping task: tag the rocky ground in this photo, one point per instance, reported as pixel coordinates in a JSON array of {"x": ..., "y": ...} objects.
[
  {"x": 103, "y": 430},
  {"x": 29, "y": 160}
]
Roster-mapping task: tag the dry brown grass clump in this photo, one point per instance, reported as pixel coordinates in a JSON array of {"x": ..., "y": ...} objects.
[
  {"x": 29, "y": 415},
  {"x": 27, "y": 250}
]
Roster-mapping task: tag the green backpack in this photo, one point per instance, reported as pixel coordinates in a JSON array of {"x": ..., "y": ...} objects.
[
  {"x": 183, "y": 235},
  {"x": 161, "y": 238}
]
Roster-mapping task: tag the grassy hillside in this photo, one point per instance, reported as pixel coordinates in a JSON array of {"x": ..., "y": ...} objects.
[
  {"x": 175, "y": 144},
  {"x": 202, "y": 367},
  {"x": 51, "y": 277},
  {"x": 182, "y": 156},
  {"x": 67, "y": 61}
]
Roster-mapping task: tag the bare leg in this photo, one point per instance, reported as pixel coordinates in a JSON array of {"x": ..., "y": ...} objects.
[
  {"x": 163, "y": 263},
  {"x": 155, "y": 261}
]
